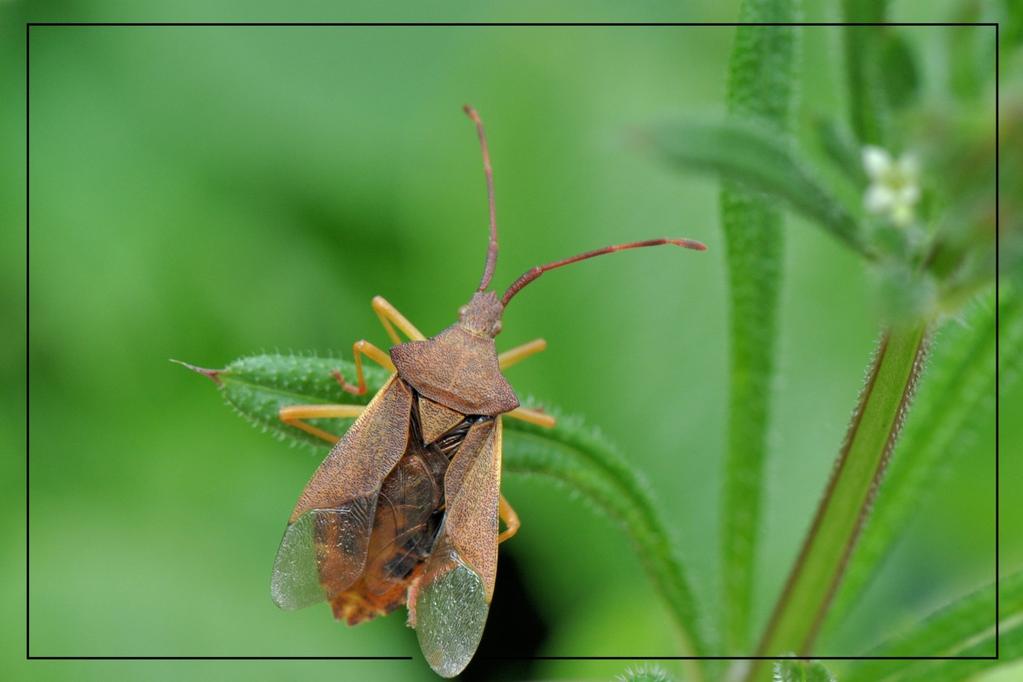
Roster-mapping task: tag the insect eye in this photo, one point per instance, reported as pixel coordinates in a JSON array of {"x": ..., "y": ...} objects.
[{"x": 463, "y": 310}]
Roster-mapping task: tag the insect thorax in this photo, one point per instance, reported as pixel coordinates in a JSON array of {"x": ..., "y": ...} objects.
[{"x": 457, "y": 369}]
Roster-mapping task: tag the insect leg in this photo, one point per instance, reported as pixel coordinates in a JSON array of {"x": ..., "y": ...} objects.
[
  {"x": 510, "y": 518},
  {"x": 388, "y": 314},
  {"x": 515, "y": 355},
  {"x": 532, "y": 416},
  {"x": 360, "y": 348},
  {"x": 292, "y": 415}
]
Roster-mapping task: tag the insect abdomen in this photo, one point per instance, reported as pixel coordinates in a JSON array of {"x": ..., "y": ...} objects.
[{"x": 408, "y": 515}]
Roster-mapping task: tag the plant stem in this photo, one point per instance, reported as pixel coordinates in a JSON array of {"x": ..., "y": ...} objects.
[
  {"x": 955, "y": 404},
  {"x": 811, "y": 585},
  {"x": 759, "y": 89},
  {"x": 866, "y": 109}
]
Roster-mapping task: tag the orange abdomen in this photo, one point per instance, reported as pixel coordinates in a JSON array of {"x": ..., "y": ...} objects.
[{"x": 405, "y": 525}]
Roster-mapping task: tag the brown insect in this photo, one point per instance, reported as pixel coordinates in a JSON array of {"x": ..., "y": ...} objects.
[{"x": 406, "y": 507}]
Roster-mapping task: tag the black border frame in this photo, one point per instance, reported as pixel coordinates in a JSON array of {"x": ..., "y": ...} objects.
[{"x": 28, "y": 32}]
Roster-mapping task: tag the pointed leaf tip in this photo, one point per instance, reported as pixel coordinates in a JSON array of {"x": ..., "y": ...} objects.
[{"x": 212, "y": 374}]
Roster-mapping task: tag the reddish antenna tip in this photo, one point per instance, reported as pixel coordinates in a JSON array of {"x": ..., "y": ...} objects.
[
  {"x": 531, "y": 274},
  {"x": 689, "y": 244},
  {"x": 471, "y": 113}
]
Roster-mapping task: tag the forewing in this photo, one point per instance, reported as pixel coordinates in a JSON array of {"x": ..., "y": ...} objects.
[
  {"x": 322, "y": 553},
  {"x": 324, "y": 546},
  {"x": 454, "y": 592},
  {"x": 472, "y": 490}
]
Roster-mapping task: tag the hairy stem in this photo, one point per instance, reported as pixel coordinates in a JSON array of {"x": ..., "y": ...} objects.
[
  {"x": 955, "y": 404},
  {"x": 873, "y": 431},
  {"x": 861, "y": 43},
  {"x": 759, "y": 89}
]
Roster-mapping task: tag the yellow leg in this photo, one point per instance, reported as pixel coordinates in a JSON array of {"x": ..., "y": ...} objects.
[
  {"x": 388, "y": 314},
  {"x": 360, "y": 348},
  {"x": 532, "y": 416},
  {"x": 517, "y": 354},
  {"x": 389, "y": 317},
  {"x": 510, "y": 518},
  {"x": 292, "y": 415}
]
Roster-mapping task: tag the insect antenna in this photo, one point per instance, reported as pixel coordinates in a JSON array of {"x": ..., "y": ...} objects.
[
  {"x": 531, "y": 274},
  {"x": 488, "y": 171}
]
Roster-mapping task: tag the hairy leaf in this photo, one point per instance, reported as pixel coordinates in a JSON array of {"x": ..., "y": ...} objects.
[
  {"x": 759, "y": 89},
  {"x": 963, "y": 628},
  {"x": 841, "y": 149},
  {"x": 1010, "y": 649},
  {"x": 756, "y": 158}
]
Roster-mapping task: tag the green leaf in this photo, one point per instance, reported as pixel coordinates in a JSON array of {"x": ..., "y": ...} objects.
[
  {"x": 801, "y": 671},
  {"x": 864, "y": 72},
  {"x": 763, "y": 61},
  {"x": 755, "y": 157},
  {"x": 900, "y": 75},
  {"x": 759, "y": 89},
  {"x": 1010, "y": 649},
  {"x": 817, "y": 573},
  {"x": 258, "y": 386},
  {"x": 963, "y": 628},
  {"x": 571, "y": 454},
  {"x": 1012, "y": 26},
  {"x": 965, "y": 75},
  {"x": 581, "y": 459},
  {"x": 841, "y": 149},
  {"x": 955, "y": 402}
]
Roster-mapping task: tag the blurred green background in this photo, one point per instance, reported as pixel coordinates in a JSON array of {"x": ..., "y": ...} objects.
[{"x": 206, "y": 193}]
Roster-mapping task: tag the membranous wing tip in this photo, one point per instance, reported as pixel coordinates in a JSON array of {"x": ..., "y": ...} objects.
[
  {"x": 322, "y": 553},
  {"x": 451, "y": 609}
]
